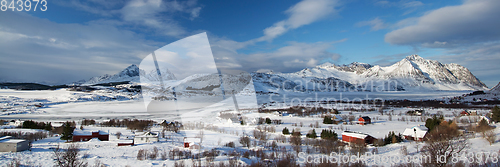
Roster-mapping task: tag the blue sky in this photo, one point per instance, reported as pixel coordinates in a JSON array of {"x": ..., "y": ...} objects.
[{"x": 76, "y": 39}]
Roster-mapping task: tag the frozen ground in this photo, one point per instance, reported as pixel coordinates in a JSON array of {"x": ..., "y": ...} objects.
[{"x": 63, "y": 105}]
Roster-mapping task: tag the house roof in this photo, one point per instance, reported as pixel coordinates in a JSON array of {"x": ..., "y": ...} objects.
[
  {"x": 419, "y": 130},
  {"x": 355, "y": 134},
  {"x": 87, "y": 133},
  {"x": 12, "y": 140},
  {"x": 148, "y": 134},
  {"x": 365, "y": 117}
]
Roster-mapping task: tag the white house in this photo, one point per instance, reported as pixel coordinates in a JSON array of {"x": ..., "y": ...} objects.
[
  {"x": 420, "y": 132},
  {"x": 146, "y": 137}
]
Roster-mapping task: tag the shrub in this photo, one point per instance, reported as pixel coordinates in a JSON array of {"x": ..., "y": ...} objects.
[
  {"x": 141, "y": 154},
  {"x": 230, "y": 144},
  {"x": 245, "y": 141},
  {"x": 118, "y": 134},
  {"x": 153, "y": 154}
]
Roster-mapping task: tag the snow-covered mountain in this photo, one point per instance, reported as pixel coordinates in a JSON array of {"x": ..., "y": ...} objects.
[
  {"x": 411, "y": 73},
  {"x": 131, "y": 73},
  {"x": 495, "y": 89}
]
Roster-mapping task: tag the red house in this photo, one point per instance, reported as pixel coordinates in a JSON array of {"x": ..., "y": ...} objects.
[
  {"x": 80, "y": 135},
  {"x": 364, "y": 120},
  {"x": 357, "y": 137},
  {"x": 465, "y": 113}
]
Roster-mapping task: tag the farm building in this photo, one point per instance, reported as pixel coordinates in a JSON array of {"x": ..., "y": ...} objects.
[
  {"x": 13, "y": 145},
  {"x": 146, "y": 137},
  {"x": 353, "y": 137},
  {"x": 337, "y": 119},
  {"x": 192, "y": 142},
  {"x": 81, "y": 135},
  {"x": 416, "y": 132},
  {"x": 364, "y": 120},
  {"x": 465, "y": 113}
]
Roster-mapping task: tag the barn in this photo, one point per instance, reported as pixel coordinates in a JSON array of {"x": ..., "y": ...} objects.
[
  {"x": 416, "y": 132},
  {"x": 364, "y": 120},
  {"x": 81, "y": 135},
  {"x": 13, "y": 145},
  {"x": 354, "y": 137}
]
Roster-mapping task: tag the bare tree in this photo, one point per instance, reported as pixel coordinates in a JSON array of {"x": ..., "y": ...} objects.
[
  {"x": 490, "y": 136},
  {"x": 245, "y": 141},
  {"x": 69, "y": 157},
  {"x": 443, "y": 142}
]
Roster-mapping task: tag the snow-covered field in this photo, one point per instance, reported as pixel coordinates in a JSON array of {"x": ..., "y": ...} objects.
[{"x": 61, "y": 105}]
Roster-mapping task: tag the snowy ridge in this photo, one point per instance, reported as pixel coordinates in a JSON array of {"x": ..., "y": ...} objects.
[
  {"x": 131, "y": 73},
  {"x": 411, "y": 73},
  {"x": 495, "y": 89}
]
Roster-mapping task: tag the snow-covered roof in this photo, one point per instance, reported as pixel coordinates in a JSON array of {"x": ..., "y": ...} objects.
[
  {"x": 148, "y": 134},
  {"x": 419, "y": 130},
  {"x": 355, "y": 134},
  {"x": 5, "y": 137},
  {"x": 12, "y": 140},
  {"x": 87, "y": 133}
]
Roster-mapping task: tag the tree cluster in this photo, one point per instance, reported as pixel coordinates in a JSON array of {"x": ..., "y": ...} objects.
[
  {"x": 393, "y": 138},
  {"x": 430, "y": 123},
  {"x": 328, "y": 134},
  {"x": 37, "y": 125}
]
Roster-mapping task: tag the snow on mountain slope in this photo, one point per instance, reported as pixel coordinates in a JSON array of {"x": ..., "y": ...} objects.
[
  {"x": 411, "y": 73},
  {"x": 131, "y": 73},
  {"x": 422, "y": 72},
  {"x": 495, "y": 89}
]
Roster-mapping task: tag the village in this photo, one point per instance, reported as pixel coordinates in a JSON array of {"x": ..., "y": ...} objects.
[{"x": 265, "y": 137}]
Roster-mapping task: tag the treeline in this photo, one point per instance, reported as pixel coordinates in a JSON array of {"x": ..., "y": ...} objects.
[
  {"x": 25, "y": 135},
  {"x": 134, "y": 124},
  {"x": 37, "y": 125},
  {"x": 298, "y": 110},
  {"x": 431, "y": 103}
]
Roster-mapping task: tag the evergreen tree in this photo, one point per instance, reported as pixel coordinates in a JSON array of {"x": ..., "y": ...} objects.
[
  {"x": 433, "y": 122},
  {"x": 495, "y": 114},
  {"x": 311, "y": 134},
  {"x": 286, "y": 131},
  {"x": 268, "y": 121},
  {"x": 327, "y": 120},
  {"x": 48, "y": 126},
  {"x": 328, "y": 134},
  {"x": 67, "y": 133}
]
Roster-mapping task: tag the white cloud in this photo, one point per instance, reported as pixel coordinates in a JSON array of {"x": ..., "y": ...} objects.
[
  {"x": 467, "y": 35},
  {"x": 473, "y": 21},
  {"x": 290, "y": 58},
  {"x": 375, "y": 24},
  {"x": 34, "y": 49},
  {"x": 302, "y": 13},
  {"x": 400, "y": 4}
]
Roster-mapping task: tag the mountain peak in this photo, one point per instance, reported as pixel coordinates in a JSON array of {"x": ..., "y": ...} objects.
[{"x": 414, "y": 57}]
